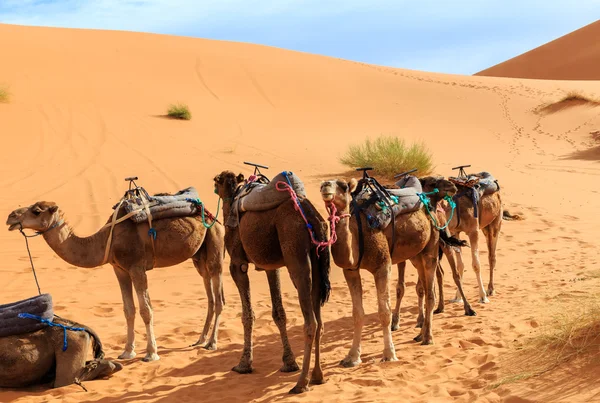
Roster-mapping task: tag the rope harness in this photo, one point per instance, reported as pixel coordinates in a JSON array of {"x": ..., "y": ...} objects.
[
  {"x": 53, "y": 324},
  {"x": 424, "y": 197}
]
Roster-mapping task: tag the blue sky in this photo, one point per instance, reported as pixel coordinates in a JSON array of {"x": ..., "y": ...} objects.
[{"x": 460, "y": 37}]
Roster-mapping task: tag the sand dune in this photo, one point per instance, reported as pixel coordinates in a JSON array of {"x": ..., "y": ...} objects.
[
  {"x": 87, "y": 110},
  {"x": 574, "y": 56}
]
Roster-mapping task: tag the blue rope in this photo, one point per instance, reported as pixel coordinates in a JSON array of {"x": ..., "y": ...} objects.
[
  {"x": 427, "y": 203},
  {"x": 50, "y": 323},
  {"x": 152, "y": 233}
]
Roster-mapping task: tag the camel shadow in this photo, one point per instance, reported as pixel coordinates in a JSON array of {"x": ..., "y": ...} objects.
[
  {"x": 266, "y": 382},
  {"x": 591, "y": 154}
]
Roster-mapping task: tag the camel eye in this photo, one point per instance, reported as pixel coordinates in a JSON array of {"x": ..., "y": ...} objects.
[{"x": 36, "y": 212}]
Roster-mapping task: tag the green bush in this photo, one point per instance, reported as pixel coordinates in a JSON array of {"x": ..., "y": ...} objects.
[
  {"x": 4, "y": 95},
  {"x": 389, "y": 156},
  {"x": 179, "y": 111}
]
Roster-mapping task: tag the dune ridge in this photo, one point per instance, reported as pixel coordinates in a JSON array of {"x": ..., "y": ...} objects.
[{"x": 87, "y": 109}]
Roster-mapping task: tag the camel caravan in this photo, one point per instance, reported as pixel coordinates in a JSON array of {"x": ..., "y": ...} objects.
[{"x": 269, "y": 223}]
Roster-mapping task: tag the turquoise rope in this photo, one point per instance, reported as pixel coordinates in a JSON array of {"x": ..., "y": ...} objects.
[
  {"x": 427, "y": 203},
  {"x": 198, "y": 202}
]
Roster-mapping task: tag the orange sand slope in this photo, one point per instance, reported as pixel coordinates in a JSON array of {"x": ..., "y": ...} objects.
[
  {"x": 87, "y": 110},
  {"x": 575, "y": 56}
]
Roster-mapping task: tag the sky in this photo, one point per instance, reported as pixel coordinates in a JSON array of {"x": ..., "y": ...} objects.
[{"x": 457, "y": 37}]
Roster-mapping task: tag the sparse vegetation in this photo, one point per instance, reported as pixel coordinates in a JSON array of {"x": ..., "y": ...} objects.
[
  {"x": 389, "y": 156},
  {"x": 577, "y": 96},
  {"x": 179, "y": 111},
  {"x": 571, "y": 337},
  {"x": 4, "y": 95}
]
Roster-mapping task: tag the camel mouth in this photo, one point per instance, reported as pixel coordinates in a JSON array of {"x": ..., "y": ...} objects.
[
  {"x": 327, "y": 196},
  {"x": 12, "y": 227}
]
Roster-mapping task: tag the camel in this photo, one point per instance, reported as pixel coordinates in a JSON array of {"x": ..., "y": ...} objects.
[
  {"x": 132, "y": 254},
  {"x": 272, "y": 239},
  {"x": 489, "y": 221},
  {"x": 415, "y": 239},
  {"x": 38, "y": 357},
  {"x": 430, "y": 183}
]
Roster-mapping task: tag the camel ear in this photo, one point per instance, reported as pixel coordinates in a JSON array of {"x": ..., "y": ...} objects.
[
  {"x": 240, "y": 178},
  {"x": 217, "y": 178},
  {"x": 352, "y": 184}
]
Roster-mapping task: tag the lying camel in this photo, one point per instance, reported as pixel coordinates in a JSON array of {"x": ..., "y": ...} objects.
[
  {"x": 131, "y": 254},
  {"x": 489, "y": 221},
  {"x": 38, "y": 357},
  {"x": 416, "y": 240},
  {"x": 430, "y": 183},
  {"x": 272, "y": 239}
]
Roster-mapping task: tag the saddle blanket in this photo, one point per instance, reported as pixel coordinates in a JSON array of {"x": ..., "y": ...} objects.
[{"x": 11, "y": 324}]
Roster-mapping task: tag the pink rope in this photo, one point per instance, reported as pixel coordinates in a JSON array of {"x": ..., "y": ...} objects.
[
  {"x": 251, "y": 178},
  {"x": 333, "y": 218}
]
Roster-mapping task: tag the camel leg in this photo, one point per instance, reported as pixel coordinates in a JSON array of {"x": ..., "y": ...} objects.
[
  {"x": 140, "y": 282},
  {"x": 317, "y": 377},
  {"x": 129, "y": 310},
  {"x": 439, "y": 275},
  {"x": 213, "y": 265},
  {"x": 209, "y": 311},
  {"x": 492, "y": 233},
  {"x": 426, "y": 264},
  {"x": 400, "y": 287},
  {"x": 458, "y": 281},
  {"x": 70, "y": 363},
  {"x": 217, "y": 285},
  {"x": 382, "y": 283},
  {"x": 474, "y": 239},
  {"x": 243, "y": 285},
  {"x": 279, "y": 317},
  {"x": 421, "y": 302},
  {"x": 301, "y": 269},
  {"x": 355, "y": 286},
  {"x": 461, "y": 270}
]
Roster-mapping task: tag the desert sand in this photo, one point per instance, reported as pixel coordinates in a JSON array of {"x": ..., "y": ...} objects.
[
  {"x": 87, "y": 109},
  {"x": 571, "y": 57}
]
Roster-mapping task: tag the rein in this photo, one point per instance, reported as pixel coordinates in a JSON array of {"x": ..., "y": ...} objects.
[
  {"x": 424, "y": 197},
  {"x": 38, "y": 233}
]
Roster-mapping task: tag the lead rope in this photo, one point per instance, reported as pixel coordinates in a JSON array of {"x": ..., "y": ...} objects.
[{"x": 29, "y": 253}]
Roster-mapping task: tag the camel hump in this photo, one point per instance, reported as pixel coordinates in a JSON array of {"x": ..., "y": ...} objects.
[
  {"x": 266, "y": 197},
  {"x": 12, "y": 325}
]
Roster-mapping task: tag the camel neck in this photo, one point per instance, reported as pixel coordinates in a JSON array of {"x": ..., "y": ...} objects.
[
  {"x": 85, "y": 252},
  {"x": 345, "y": 249}
]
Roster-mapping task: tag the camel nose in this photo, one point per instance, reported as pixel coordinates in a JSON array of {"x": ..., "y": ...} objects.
[{"x": 327, "y": 196}]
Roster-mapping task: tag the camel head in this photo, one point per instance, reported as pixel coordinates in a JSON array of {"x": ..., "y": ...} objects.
[
  {"x": 226, "y": 184},
  {"x": 445, "y": 187},
  {"x": 96, "y": 369},
  {"x": 338, "y": 192},
  {"x": 38, "y": 217}
]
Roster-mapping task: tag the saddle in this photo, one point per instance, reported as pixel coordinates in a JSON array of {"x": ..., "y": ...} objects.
[
  {"x": 262, "y": 195},
  {"x": 184, "y": 203},
  {"x": 11, "y": 324},
  {"x": 477, "y": 185},
  {"x": 380, "y": 209}
]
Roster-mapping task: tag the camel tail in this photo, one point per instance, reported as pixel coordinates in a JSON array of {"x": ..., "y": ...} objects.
[
  {"x": 451, "y": 240},
  {"x": 320, "y": 259}
]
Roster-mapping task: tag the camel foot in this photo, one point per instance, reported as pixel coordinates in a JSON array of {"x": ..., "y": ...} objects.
[
  {"x": 348, "y": 362},
  {"x": 456, "y": 301},
  {"x": 296, "y": 390},
  {"x": 290, "y": 367},
  {"x": 470, "y": 312},
  {"x": 439, "y": 310},
  {"x": 390, "y": 358},
  {"x": 242, "y": 369},
  {"x": 427, "y": 342},
  {"x": 395, "y": 326},
  {"x": 200, "y": 342},
  {"x": 491, "y": 292},
  {"x": 418, "y": 338},
  {"x": 127, "y": 355},
  {"x": 151, "y": 357},
  {"x": 318, "y": 381},
  {"x": 211, "y": 345},
  {"x": 484, "y": 300}
]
